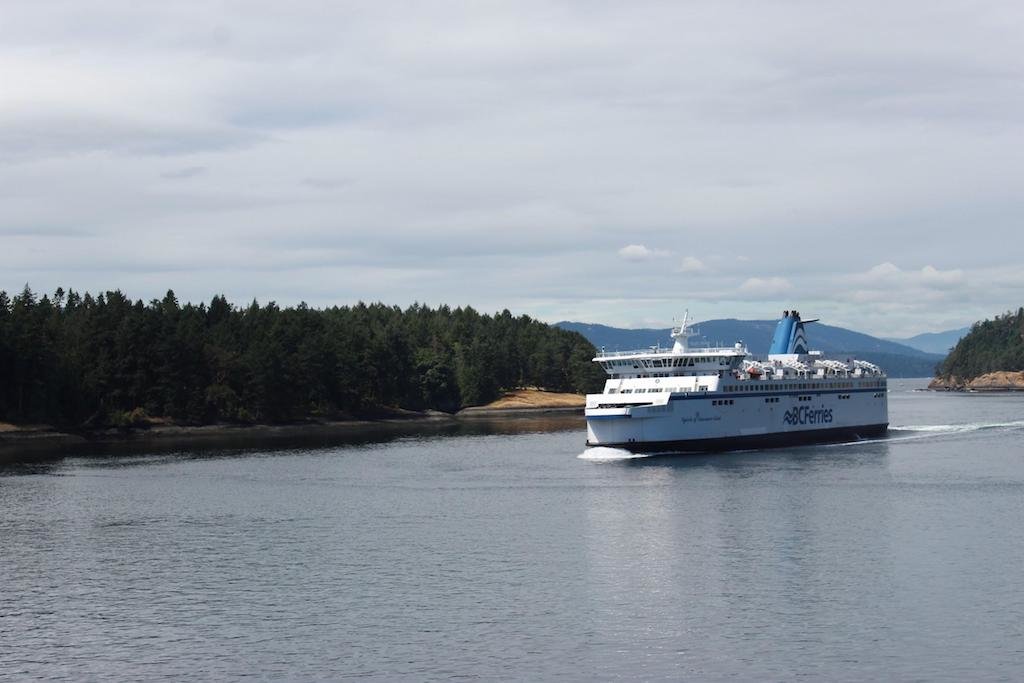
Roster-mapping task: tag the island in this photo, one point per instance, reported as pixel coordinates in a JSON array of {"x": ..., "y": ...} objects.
[
  {"x": 989, "y": 358},
  {"x": 82, "y": 366}
]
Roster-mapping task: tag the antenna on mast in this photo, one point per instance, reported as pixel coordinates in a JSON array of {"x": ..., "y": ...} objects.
[{"x": 682, "y": 334}]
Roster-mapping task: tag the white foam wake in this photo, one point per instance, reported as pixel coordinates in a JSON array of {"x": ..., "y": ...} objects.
[
  {"x": 915, "y": 432},
  {"x": 959, "y": 428},
  {"x": 605, "y": 454}
]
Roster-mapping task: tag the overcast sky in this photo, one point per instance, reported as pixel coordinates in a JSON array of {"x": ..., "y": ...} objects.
[{"x": 593, "y": 161}]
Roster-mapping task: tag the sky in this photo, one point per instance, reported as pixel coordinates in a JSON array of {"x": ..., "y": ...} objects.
[{"x": 595, "y": 161}]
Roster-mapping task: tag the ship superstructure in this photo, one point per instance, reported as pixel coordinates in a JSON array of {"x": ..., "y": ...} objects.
[{"x": 703, "y": 398}]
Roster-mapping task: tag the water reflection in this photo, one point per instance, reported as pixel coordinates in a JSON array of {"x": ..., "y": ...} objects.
[
  {"x": 743, "y": 463},
  {"x": 689, "y": 546},
  {"x": 228, "y": 443}
]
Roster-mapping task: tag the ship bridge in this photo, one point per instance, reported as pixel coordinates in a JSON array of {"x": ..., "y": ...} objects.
[{"x": 682, "y": 359}]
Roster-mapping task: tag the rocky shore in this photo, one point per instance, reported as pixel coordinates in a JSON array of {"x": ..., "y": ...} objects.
[{"x": 992, "y": 381}]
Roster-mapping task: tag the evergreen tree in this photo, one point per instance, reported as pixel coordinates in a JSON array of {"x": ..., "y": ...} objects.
[
  {"x": 991, "y": 346},
  {"x": 79, "y": 360}
]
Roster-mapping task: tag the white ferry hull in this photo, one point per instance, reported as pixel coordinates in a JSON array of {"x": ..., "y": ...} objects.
[
  {"x": 716, "y": 398},
  {"x": 715, "y": 422}
]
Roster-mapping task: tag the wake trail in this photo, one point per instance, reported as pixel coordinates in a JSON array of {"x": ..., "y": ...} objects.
[
  {"x": 961, "y": 428},
  {"x": 899, "y": 433}
]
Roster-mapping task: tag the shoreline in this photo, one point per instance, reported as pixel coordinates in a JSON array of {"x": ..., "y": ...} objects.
[
  {"x": 991, "y": 382},
  {"x": 19, "y": 444}
]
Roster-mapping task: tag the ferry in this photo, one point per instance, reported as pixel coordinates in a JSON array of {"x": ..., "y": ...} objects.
[{"x": 692, "y": 398}]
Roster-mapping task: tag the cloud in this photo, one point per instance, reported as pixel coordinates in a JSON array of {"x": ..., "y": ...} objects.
[
  {"x": 325, "y": 183},
  {"x": 885, "y": 276},
  {"x": 639, "y": 252},
  {"x": 766, "y": 287},
  {"x": 692, "y": 265},
  {"x": 942, "y": 278},
  {"x": 183, "y": 173},
  {"x": 359, "y": 153},
  {"x": 32, "y": 136}
]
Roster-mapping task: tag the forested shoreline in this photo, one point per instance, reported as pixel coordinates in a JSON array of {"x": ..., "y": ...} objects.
[
  {"x": 79, "y": 360},
  {"x": 991, "y": 346}
]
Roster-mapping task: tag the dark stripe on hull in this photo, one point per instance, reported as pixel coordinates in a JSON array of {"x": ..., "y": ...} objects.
[{"x": 733, "y": 443}]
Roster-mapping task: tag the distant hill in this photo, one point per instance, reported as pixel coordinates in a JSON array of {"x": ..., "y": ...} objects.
[
  {"x": 935, "y": 342},
  {"x": 899, "y": 360}
]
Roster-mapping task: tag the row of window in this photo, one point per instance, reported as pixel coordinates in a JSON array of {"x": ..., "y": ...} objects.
[
  {"x": 682, "y": 362},
  {"x": 722, "y": 402},
  {"x": 759, "y": 386},
  {"x": 664, "y": 362},
  {"x": 658, "y": 390},
  {"x": 653, "y": 390},
  {"x": 773, "y": 399}
]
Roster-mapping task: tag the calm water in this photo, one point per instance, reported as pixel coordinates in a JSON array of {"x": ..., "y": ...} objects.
[{"x": 507, "y": 555}]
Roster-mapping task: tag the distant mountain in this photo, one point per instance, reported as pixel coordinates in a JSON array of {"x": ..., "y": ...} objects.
[
  {"x": 899, "y": 360},
  {"x": 935, "y": 342}
]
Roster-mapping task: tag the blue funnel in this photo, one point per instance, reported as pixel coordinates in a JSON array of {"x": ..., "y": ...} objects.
[{"x": 789, "y": 335}]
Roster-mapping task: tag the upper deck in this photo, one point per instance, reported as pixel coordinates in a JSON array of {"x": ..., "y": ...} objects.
[
  {"x": 681, "y": 359},
  {"x": 789, "y": 359}
]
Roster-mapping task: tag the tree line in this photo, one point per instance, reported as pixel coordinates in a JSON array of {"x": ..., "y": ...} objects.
[
  {"x": 990, "y": 346},
  {"x": 83, "y": 360}
]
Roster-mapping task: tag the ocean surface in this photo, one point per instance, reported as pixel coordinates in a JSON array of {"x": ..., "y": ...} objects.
[{"x": 512, "y": 552}]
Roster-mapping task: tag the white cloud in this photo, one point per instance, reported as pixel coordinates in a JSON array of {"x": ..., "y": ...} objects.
[
  {"x": 507, "y": 146},
  {"x": 692, "y": 265},
  {"x": 885, "y": 276},
  {"x": 942, "y": 278},
  {"x": 765, "y": 287},
  {"x": 639, "y": 252}
]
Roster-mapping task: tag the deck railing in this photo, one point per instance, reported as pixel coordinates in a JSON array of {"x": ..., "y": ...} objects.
[{"x": 658, "y": 351}]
